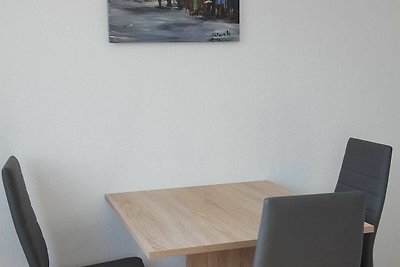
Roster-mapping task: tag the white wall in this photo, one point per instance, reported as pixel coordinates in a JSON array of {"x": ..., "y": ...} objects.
[{"x": 86, "y": 117}]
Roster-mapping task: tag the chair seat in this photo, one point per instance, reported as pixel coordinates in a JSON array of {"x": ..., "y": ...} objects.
[{"x": 126, "y": 262}]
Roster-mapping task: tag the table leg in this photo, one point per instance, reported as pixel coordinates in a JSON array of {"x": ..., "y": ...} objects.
[{"x": 242, "y": 257}]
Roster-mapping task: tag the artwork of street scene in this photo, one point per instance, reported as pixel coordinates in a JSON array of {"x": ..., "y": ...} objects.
[{"x": 133, "y": 21}]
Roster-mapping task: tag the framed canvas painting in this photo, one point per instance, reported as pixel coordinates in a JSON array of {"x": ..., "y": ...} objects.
[{"x": 132, "y": 21}]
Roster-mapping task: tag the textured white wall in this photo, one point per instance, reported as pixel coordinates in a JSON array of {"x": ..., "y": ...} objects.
[{"x": 86, "y": 117}]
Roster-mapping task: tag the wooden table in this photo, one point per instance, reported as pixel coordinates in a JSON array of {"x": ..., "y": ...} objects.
[{"x": 213, "y": 225}]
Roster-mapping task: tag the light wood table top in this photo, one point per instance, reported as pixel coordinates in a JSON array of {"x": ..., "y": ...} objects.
[{"x": 200, "y": 219}]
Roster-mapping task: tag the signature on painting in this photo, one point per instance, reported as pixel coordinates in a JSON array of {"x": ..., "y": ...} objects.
[{"x": 221, "y": 36}]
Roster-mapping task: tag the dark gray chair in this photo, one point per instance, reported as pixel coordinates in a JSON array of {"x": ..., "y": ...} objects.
[
  {"x": 26, "y": 225},
  {"x": 324, "y": 230},
  {"x": 366, "y": 168}
]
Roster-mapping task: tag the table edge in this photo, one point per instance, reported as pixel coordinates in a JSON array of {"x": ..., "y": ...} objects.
[
  {"x": 146, "y": 247},
  {"x": 367, "y": 229},
  {"x": 201, "y": 249}
]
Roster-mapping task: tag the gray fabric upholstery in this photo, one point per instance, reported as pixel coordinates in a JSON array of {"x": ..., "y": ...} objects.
[
  {"x": 323, "y": 230},
  {"x": 366, "y": 168},
  {"x": 26, "y": 225}
]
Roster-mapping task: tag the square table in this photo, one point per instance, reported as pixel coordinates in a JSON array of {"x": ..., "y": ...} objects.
[{"x": 213, "y": 225}]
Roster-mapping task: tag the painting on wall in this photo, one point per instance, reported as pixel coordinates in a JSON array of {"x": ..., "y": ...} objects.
[{"x": 132, "y": 21}]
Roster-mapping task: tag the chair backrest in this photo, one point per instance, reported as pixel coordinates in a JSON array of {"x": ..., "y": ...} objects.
[
  {"x": 311, "y": 231},
  {"x": 26, "y": 225},
  {"x": 366, "y": 167}
]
